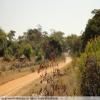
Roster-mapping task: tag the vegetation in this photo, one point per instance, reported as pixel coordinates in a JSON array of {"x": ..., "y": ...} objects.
[
  {"x": 40, "y": 46},
  {"x": 87, "y": 50},
  {"x": 90, "y": 68},
  {"x": 92, "y": 29},
  {"x": 74, "y": 44},
  {"x": 32, "y": 43},
  {"x": 90, "y": 59}
]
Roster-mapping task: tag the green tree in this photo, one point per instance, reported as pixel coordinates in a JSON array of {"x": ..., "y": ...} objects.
[
  {"x": 33, "y": 36},
  {"x": 24, "y": 48},
  {"x": 52, "y": 46},
  {"x": 28, "y": 51},
  {"x": 3, "y": 42},
  {"x": 11, "y": 35},
  {"x": 8, "y": 53},
  {"x": 58, "y": 36},
  {"x": 92, "y": 29},
  {"x": 73, "y": 43}
]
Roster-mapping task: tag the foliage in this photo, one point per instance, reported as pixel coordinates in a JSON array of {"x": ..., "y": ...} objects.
[
  {"x": 73, "y": 43},
  {"x": 52, "y": 47},
  {"x": 90, "y": 68},
  {"x": 11, "y": 35},
  {"x": 35, "y": 40},
  {"x": 24, "y": 49},
  {"x": 42, "y": 46},
  {"x": 33, "y": 36},
  {"x": 3, "y": 42},
  {"x": 92, "y": 29},
  {"x": 8, "y": 54}
]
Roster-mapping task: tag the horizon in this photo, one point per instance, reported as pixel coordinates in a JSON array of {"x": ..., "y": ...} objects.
[{"x": 67, "y": 16}]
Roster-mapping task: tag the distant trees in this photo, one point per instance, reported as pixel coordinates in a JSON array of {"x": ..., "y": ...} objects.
[
  {"x": 59, "y": 36},
  {"x": 8, "y": 53},
  {"x": 28, "y": 51},
  {"x": 11, "y": 35},
  {"x": 37, "y": 42},
  {"x": 33, "y": 36},
  {"x": 32, "y": 42},
  {"x": 24, "y": 48},
  {"x": 74, "y": 44},
  {"x": 53, "y": 44},
  {"x": 51, "y": 47}
]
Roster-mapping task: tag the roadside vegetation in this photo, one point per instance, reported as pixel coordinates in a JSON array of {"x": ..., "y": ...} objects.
[
  {"x": 85, "y": 50},
  {"x": 36, "y": 50}
]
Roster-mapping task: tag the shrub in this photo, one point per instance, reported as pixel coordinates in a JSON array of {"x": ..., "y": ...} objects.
[
  {"x": 8, "y": 54},
  {"x": 90, "y": 68},
  {"x": 26, "y": 49},
  {"x": 90, "y": 78}
]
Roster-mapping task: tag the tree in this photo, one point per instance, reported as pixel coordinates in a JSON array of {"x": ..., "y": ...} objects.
[
  {"x": 33, "y": 35},
  {"x": 3, "y": 42},
  {"x": 8, "y": 53},
  {"x": 24, "y": 48},
  {"x": 92, "y": 29},
  {"x": 11, "y": 35},
  {"x": 73, "y": 43},
  {"x": 28, "y": 51},
  {"x": 52, "y": 46}
]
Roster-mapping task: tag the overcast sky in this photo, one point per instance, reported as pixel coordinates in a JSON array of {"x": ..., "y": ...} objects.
[{"x": 69, "y": 16}]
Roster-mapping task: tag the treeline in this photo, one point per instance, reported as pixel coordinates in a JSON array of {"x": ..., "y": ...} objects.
[
  {"x": 38, "y": 44},
  {"x": 33, "y": 43}
]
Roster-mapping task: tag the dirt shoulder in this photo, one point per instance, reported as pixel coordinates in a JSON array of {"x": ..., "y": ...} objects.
[{"x": 12, "y": 87}]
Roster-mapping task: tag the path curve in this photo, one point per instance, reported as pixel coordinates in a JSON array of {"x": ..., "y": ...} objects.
[{"x": 12, "y": 87}]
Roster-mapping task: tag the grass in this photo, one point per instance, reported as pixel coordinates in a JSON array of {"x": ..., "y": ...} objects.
[
  {"x": 9, "y": 72},
  {"x": 70, "y": 79},
  {"x": 14, "y": 74}
]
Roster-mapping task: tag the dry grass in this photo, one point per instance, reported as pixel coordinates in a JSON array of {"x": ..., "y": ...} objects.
[
  {"x": 14, "y": 74},
  {"x": 70, "y": 79},
  {"x": 9, "y": 72}
]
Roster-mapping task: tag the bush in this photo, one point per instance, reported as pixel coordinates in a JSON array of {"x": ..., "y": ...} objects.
[
  {"x": 90, "y": 69},
  {"x": 8, "y": 54},
  {"x": 90, "y": 78},
  {"x": 26, "y": 49}
]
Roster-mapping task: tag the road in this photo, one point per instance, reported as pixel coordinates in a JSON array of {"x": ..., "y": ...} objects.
[{"x": 12, "y": 87}]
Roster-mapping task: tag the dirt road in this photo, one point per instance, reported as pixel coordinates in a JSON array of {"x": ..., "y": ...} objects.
[{"x": 10, "y": 88}]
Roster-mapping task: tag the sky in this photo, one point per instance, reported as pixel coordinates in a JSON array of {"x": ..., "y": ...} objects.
[{"x": 68, "y": 16}]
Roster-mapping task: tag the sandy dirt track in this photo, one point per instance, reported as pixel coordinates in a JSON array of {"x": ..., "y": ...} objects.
[{"x": 10, "y": 88}]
